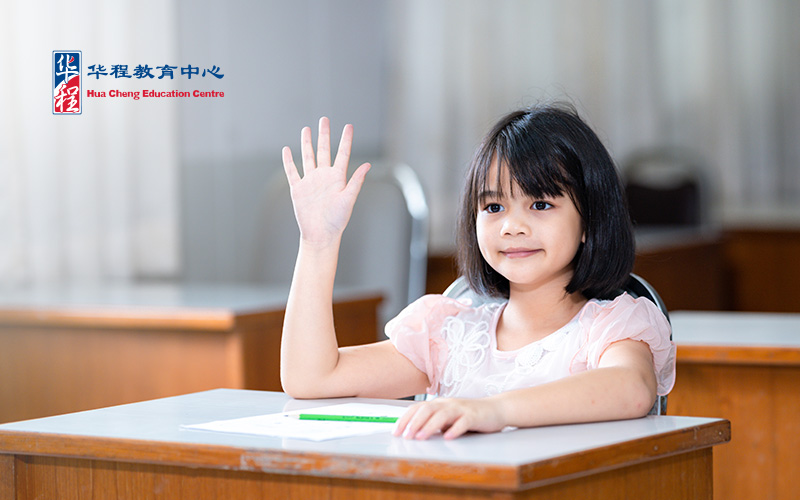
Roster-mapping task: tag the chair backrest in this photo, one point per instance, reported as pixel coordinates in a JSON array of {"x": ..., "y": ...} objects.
[
  {"x": 666, "y": 186},
  {"x": 636, "y": 286},
  {"x": 639, "y": 287},
  {"x": 384, "y": 247}
]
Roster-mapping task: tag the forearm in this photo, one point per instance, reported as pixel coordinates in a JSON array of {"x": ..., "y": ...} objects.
[
  {"x": 309, "y": 350},
  {"x": 609, "y": 393},
  {"x": 323, "y": 200}
]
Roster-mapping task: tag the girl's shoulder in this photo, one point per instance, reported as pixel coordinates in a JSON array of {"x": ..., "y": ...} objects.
[
  {"x": 603, "y": 322},
  {"x": 623, "y": 307}
]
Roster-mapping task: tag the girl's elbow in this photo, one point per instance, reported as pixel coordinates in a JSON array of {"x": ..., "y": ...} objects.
[
  {"x": 299, "y": 386},
  {"x": 289, "y": 389},
  {"x": 295, "y": 387},
  {"x": 297, "y": 391},
  {"x": 641, "y": 397}
]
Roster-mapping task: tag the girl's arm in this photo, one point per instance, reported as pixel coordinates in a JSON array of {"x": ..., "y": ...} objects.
[
  {"x": 623, "y": 386},
  {"x": 312, "y": 365}
]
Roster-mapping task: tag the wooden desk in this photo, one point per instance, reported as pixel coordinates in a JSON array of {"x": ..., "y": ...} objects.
[
  {"x": 64, "y": 350},
  {"x": 764, "y": 268},
  {"x": 745, "y": 367},
  {"x": 139, "y": 451},
  {"x": 685, "y": 266}
]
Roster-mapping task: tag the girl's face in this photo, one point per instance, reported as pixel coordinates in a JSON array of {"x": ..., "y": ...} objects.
[{"x": 529, "y": 241}]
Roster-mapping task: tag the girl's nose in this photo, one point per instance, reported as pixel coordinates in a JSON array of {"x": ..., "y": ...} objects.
[{"x": 513, "y": 225}]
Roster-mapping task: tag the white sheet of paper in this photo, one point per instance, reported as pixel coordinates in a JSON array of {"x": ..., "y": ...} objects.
[{"x": 284, "y": 426}]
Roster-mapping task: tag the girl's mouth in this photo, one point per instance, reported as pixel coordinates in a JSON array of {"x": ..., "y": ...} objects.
[{"x": 518, "y": 253}]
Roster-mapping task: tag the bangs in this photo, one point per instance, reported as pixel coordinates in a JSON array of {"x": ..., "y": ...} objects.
[{"x": 536, "y": 168}]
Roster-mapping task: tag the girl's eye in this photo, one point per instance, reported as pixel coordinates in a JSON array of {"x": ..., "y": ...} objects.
[
  {"x": 541, "y": 205},
  {"x": 493, "y": 208}
]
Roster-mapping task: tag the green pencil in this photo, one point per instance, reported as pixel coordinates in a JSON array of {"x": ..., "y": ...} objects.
[{"x": 347, "y": 418}]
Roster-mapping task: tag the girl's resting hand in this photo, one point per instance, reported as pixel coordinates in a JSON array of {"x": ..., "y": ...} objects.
[
  {"x": 323, "y": 199},
  {"x": 452, "y": 416}
]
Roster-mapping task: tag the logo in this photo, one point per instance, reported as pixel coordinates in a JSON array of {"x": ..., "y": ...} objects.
[{"x": 67, "y": 82}]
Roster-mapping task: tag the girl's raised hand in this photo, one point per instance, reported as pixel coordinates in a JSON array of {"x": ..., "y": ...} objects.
[
  {"x": 451, "y": 416},
  {"x": 323, "y": 198}
]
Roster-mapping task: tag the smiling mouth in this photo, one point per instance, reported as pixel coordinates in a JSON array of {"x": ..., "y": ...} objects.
[{"x": 519, "y": 253}]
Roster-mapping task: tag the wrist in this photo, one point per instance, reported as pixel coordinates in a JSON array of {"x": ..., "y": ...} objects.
[
  {"x": 319, "y": 246},
  {"x": 502, "y": 408}
]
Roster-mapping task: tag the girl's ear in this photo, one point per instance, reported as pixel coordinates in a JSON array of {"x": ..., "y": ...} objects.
[{"x": 583, "y": 237}]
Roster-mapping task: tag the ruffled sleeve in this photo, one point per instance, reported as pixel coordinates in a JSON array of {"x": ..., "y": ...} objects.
[
  {"x": 603, "y": 323},
  {"x": 417, "y": 334}
]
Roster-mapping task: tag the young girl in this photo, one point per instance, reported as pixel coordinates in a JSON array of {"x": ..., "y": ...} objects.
[{"x": 543, "y": 225}]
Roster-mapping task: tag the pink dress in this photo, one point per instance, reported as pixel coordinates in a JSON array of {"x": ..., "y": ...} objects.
[{"x": 456, "y": 344}]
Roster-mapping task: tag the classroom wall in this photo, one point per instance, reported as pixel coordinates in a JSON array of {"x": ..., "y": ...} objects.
[
  {"x": 287, "y": 64},
  {"x": 422, "y": 81},
  {"x": 168, "y": 190}
]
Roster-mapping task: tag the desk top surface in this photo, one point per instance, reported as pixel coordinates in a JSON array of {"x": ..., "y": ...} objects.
[
  {"x": 735, "y": 329},
  {"x": 149, "y": 306},
  {"x": 237, "y": 297},
  {"x": 151, "y": 430}
]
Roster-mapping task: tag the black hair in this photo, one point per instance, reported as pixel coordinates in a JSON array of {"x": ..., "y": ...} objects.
[{"x": 549, "y": 151}]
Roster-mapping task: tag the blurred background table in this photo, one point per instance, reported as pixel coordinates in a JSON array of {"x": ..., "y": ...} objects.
[
  {"x": 75, "y": 348},
  {"x": 744, "y": 367},
  {"x": 744, "y": 266}
]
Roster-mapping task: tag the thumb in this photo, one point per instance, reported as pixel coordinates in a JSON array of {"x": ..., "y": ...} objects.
[{"x": 357, "y": 180}]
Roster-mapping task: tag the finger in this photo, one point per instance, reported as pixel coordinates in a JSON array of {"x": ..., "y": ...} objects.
[
  {"x": 324, "y": 143},
  {"x": 400, "y": 426},
  {"x": 307, "y": 149},
  {"x": 289, "y": 167},
  {"x": 438, "y": 421},
  {"x": 420, "y": 416},
  {"x": 345, "y": 143},
  {"x": 459, "y": 427},
  {"x": 357, "y": 180}
]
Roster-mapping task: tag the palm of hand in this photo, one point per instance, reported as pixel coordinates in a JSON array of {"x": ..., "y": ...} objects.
[
  {"x": 322, "y": 205},
  {"x": 323, "y": 199}
]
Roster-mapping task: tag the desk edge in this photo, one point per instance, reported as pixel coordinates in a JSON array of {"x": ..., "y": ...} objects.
[
  {"x": 388, "y": 469},
  {"x": 733, "y": 354}
]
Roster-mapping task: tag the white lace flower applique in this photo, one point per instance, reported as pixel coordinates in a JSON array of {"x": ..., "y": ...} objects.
[{"x": 468, "y": 343}]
